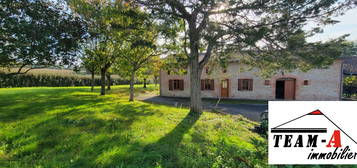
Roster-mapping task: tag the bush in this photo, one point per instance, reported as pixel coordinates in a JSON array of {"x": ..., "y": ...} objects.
[
  {"x": 229, "y": 156},
  {"x": 350, "y": 87},
  {"x": 262, "y": 129}
]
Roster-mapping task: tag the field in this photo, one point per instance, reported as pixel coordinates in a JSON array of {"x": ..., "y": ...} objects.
[{"x": 73, "y": 127}]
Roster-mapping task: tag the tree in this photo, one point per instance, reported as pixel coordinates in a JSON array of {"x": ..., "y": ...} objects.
[
  {"x": 138, "y": 54},
  {"x": 38, "y": 34},
  {"x": 269, "y": 32},
  {"x": 109, "y": 83},
  {"x": 107, "y": 21},
  {"x": 151, "y": 70},
  {"x": 144, "y": 75},
  {"x": 155, "y": 70},
  {"x": 100, "y": 57},
  {"x": 351, "y": 50},
  {"x": 138, "y": 49},
  {"x": 90, "y": 64}
]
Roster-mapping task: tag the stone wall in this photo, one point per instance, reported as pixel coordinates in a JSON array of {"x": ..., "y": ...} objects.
[{"x": 323, "y": 84}]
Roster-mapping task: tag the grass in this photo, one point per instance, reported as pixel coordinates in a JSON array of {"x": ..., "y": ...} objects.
[{"x": 73, "y": 127}]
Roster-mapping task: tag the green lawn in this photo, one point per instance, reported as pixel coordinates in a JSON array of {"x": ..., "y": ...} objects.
[{"x": 73, "y": 127}]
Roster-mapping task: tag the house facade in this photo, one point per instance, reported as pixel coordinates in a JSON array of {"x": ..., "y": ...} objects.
[{"x": 316, "y": 84}]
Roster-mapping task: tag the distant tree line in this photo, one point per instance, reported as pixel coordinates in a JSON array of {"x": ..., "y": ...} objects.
[{"x": 34, "y": 80}]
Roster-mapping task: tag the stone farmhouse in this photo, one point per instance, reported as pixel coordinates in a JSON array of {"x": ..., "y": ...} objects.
[{"x": 231, "y": 82}]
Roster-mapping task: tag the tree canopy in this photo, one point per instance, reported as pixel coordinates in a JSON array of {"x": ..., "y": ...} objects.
[
  {"x": 108, "y": 23},
  {"x": 270, "y": 32},
  {"x": 138, "y": 48},
  {"x": 38, "y": 33}
]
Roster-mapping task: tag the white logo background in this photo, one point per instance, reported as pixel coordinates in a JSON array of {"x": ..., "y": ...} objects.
[{"x": 342, "y": 113}]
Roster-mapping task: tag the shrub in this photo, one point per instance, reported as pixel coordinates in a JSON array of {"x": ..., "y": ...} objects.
[
  {"x": 229, "y": 156},
  {"x": 350, "y": 87},
  {"x": 262, "y": 129}
]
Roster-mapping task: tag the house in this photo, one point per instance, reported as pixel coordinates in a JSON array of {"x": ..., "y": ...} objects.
[{"x": 231, "y": 82}]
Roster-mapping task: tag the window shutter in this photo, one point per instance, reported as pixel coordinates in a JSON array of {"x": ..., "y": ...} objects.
[
  {"x": 170, "y": 85},
  {"x": 181, "y": 84},
  {"x": 202, "y": 84},
  {"x": 250, "y": 86},
  {"x": 240, "y": 84},
  {"x": 212, "y": 84}
]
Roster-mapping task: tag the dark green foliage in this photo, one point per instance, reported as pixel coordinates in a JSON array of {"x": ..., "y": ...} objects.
[
  {"x": 262, "y": 129},
  {"x": 273, "y": 34},
  {"x": 31, "y": 80},
  {"x": 38, "y": 33},
  {"x": 351, "y": 51},
  {"x": 314, "y": 166}
]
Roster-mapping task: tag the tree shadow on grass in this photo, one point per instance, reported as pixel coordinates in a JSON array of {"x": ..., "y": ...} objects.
[
  {"x": 85, "y": 137},
  {"x": 73, "y": 137},
  {"x": 164, "y": 151},
  {"x": 75, "y": 142},
  {"x": 19, "y": 106},
  {"x": 169, "y": 151}
]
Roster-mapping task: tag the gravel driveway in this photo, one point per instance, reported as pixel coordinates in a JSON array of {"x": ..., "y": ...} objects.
[{"x": 251, "y": 111}]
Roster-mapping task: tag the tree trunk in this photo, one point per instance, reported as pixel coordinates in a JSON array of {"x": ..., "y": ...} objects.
[
  {"x": 156, "y": 80},
  {"x": 109, "y": 81},
  {"x": 195, "y": 70},
  {"x": 144, "y": 82},
  {"x": 195, "y": 93},
  {"x": 132, "y": 78},
  {"x": 92, "y": 82},
  {"x": 102, "y": 80}
]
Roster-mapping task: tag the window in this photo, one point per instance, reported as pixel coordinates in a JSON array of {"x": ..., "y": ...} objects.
[
  {"x": 176, "y": 84},
  {"x": 169, "y": 72},
  {"x": 207, "y": 70},
  {"x": 224, "y": 84},
  {"x": 224, "y": 70},
  {"x": 267, "y": 82},
  {"x": 245, "y": 84},
  {"x": 207, "y": 84},
  {"x": 306, "y": 82}
]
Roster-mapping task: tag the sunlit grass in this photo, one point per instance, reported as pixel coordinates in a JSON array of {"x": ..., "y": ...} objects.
[{"x": 73, "y": 127}]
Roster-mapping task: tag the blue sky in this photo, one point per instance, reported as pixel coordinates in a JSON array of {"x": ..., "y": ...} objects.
[{"x": 347, "y": 25}]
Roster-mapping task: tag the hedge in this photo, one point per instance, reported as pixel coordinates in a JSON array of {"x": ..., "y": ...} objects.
[{"x": 31, "y": 80}]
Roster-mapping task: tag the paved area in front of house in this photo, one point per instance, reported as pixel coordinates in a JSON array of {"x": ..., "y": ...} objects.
[{"x": 251, "y": 111}]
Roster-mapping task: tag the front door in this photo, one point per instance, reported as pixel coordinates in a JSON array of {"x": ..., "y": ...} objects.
[
  {"x": 279, "y": 89},
  {"x": 225, "y": 88},
  {"x": 289, "y": 90}
]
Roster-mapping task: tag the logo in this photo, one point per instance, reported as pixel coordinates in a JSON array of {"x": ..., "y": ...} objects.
[{"x": 312, "y": 132}]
